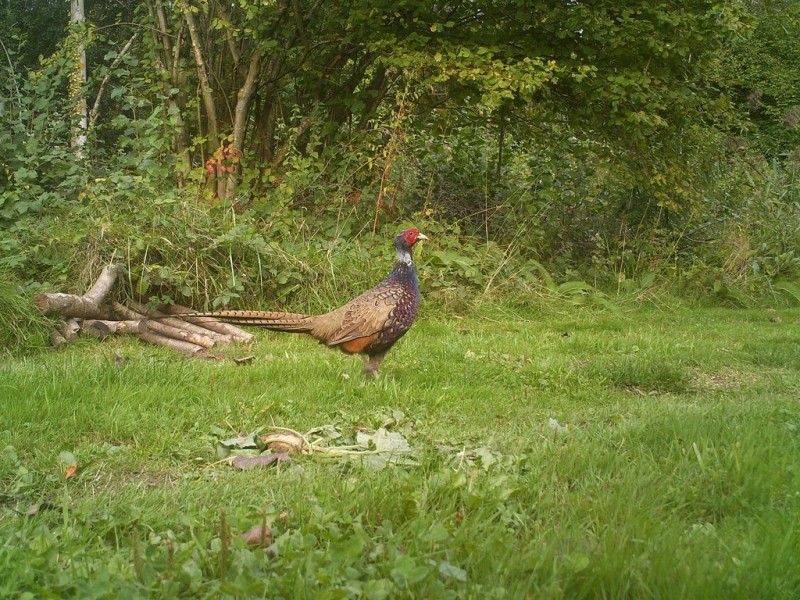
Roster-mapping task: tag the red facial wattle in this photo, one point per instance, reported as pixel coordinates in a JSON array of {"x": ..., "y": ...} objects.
[{"x": 411, "y": 235}]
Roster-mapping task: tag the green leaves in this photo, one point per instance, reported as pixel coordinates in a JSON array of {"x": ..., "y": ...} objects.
[{"x": 407, "y": 571}]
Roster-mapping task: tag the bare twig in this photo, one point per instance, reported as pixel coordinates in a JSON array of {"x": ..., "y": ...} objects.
[{"x": 95, "y": 112}]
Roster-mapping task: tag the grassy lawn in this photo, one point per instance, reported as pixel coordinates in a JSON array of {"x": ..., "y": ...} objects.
[{"x": 653, "y": 453}]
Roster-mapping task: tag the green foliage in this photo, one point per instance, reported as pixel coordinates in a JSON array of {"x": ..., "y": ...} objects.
[
  {"x": 38, "y": 171},
  {"x": 562, "y": 150},
  {"x": 762, "y": 76}
]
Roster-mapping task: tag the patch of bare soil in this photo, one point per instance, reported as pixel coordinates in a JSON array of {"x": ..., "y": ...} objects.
[{"x": 727, "y": 379}]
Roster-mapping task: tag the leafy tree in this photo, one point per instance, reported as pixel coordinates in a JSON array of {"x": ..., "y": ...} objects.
[{"x": 762, "y": 75}]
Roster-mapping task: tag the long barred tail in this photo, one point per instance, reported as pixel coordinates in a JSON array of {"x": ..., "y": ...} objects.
[{"x": 277, "y": 321}]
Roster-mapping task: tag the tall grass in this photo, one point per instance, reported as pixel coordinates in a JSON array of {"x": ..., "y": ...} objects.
[{"x": 22, "y": 327}]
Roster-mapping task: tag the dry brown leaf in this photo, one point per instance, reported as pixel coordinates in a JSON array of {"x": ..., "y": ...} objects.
[
  {"x": 70, "y": 470},
  {"x": 261, "y": 535},
  {"x": 263, "y": 460}
]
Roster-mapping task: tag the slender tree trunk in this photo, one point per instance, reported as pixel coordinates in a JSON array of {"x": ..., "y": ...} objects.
[
  {"x": 161, "y": 18},
  {"x": 207, "y": 93},
  {"x": 168, "y": 57},
  {"x": 501, "y": 142},
  {"x": 78, "y": 80},
  {"x": 243, "y": 102}
]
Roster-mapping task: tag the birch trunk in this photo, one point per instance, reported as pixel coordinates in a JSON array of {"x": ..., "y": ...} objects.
[{"x": 78, "y": 80}]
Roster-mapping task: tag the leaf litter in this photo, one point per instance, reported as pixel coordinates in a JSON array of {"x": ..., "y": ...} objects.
[{"x": 375, "y": 448}]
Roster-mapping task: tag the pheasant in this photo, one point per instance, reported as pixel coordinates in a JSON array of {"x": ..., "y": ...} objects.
[{"x": 369, "y": 324}]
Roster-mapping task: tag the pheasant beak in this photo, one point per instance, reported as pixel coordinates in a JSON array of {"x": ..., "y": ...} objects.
[{"x": 421, "y": 236}]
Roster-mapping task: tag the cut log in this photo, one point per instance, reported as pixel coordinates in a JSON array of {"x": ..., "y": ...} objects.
[
  {"x": 56, "y": 339},
  {"x": 66, "y": 332},
  {"x": 152, "y": 337},
  {"x": 69, "y": 305},
  {"x": 179, "y": 323},
  {"x": 146, "y": 324},
  {"x": 81, "y": 307},
  {"x": 102, "y": 329},
  {"x": 102, "y": 286},
  {"x": 209, "y": 323},
  {"x": 69, "y": 329}
]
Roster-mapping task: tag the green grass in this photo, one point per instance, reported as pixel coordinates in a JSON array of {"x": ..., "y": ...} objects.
[
  {"x": 23, "y": 329},
  {"x": 675, "y": 472}
]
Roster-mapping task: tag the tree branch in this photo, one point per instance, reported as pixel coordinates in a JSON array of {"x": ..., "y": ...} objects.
[{"x": 95, "y": 112}]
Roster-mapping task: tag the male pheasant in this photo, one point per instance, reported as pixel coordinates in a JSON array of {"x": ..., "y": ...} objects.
[{"x": 369, "y": 324}]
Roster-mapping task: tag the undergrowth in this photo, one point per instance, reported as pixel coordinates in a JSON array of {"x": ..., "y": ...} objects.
[{"x": 314, "y": 255}]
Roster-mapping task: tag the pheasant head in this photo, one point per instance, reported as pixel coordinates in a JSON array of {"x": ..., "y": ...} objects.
[{"x": 404, "y": 242}]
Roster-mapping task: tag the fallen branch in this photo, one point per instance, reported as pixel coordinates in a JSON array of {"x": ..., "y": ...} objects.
[
  {"x": 179, "y": 323},
  {"x": 102, "y": 329},
  {"x": 209, "y": 323},
  {"x": 173, "y": 328},
  {"x": 152, "y": 337},
  {"x": 148, "y": 325},
  {"x": 65, "y": 332},
  {"x": 81, "y": 307}
]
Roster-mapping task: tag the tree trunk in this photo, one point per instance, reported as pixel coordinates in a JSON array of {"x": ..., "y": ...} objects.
[
  {"x": 207, "y": 93},
  {"x": 243, "y": 102},
  {"x": 169, "y": 62},
  {"x": 77, "y": 19}
]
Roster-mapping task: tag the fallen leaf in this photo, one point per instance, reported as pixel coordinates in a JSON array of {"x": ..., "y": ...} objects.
[
  {"x": 448, "y": 570},
  {"x": 259, "y": 535},
  {"x": 386, "y": 447},
  {"x": 68, "y": 458},
  {"x": 263, "y": 460},
  {"x": 328, "y": 433},
  {"x": 245, "y": 360},
  {"x": 244, "y": 442},
  {"x": 384, "y": 441},
  {"x": 35, "y": 509},
  {"x": 70, "y": 463},
  {"x": 558, "y": 427}
]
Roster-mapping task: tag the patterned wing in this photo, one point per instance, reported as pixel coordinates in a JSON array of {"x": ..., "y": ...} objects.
[{"x": 369, "y": 314}]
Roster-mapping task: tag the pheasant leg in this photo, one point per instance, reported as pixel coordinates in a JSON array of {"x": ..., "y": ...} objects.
[{"x": 373, "y": 364}]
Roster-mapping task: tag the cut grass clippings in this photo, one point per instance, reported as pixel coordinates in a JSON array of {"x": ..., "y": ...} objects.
[{"x": 647, "y": 454}]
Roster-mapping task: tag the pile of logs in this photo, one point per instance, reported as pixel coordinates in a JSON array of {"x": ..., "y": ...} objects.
[{"x": 89, "y": 315}]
